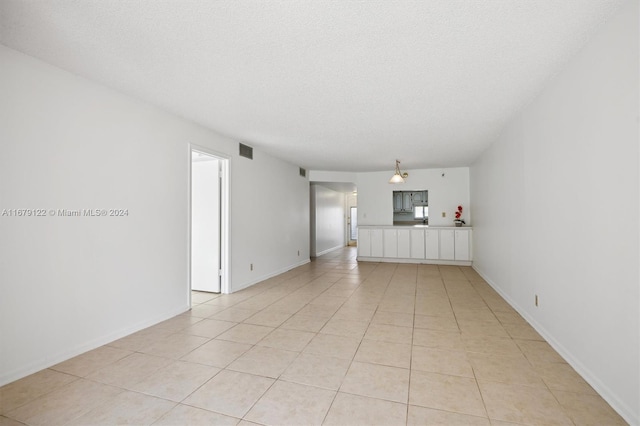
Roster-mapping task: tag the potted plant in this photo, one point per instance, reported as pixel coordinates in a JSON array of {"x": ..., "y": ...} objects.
[{"x": 458, "y": 221}]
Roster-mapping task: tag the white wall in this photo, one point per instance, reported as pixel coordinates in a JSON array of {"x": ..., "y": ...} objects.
[
  {"x": 328, "y": 220},
  {"x": 375, "y": 195},
  {"x": 69, "y": 284},
  {"x": 270, "y": 218},
  {"x": 555, "y": 205},
  {"x": 329, "y": 176}
]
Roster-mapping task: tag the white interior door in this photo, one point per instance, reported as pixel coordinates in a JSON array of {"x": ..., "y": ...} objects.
[{"x": 205, "y": 223}]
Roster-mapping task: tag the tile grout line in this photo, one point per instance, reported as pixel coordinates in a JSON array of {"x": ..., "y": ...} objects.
[
  {"x": 300, "y": 352},
  {"x": 473, "y": 370},
  {"x": 413, "y": 330},
  {"x": 352, "y": 358}
]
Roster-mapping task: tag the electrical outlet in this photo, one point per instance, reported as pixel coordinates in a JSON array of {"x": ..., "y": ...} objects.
[
  {"x": 536, "y": 300},
  {"x": 298, "y": 252},
  {"x": 444, "y": 214},
  {"x": 251, "y": 267}
]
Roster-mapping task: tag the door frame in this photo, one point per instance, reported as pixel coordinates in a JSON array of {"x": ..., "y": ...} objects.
[{"x": 225, "y": 167}]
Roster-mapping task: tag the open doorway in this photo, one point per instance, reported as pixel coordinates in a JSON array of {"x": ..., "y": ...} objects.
[
  {"x": 352, "y": 219},
  {"x": 353, "y": 226},
  {"x": 329, "y": 219},
  {"x": 208, "y": 218}
]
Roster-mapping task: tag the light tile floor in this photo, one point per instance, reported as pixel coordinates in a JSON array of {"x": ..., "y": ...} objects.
[{"x": 332, "y": 342}]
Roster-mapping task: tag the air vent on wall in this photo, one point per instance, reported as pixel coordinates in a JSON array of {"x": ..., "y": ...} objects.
[
  {"x": 303, "y": 172},
  {"x": 246, "y": 151}
]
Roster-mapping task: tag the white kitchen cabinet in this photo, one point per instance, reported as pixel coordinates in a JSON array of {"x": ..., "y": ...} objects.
[
  {"x": 447, "y": 244},
  {"x": 397, "y": 201},
  {"x": 364, "y": 242},
  {"x": 407, "y": 201},
  {"x": 376, "y": 243},
  {"x": 404, "y": 243},
  {"x": 402, "y": 201},
  {"x": 432, "y": 244},
  {"x": 462, "y": 244},
  {"x": 390, "y": 243},
  {"x": 416, "y": 244},
  {"x": 419, "y": 197},
  {"x": 455, "y": 244}
]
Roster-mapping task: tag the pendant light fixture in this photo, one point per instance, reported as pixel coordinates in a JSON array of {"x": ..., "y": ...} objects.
[{"x": 398, "y": 177}]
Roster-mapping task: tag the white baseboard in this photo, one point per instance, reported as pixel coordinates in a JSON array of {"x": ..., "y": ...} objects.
[
  {"x": 330, "y": 250},
  {"x": 605, "y": 392},
  {"x": 53, "y": 359},
  {"x": 267, "y": 276}
]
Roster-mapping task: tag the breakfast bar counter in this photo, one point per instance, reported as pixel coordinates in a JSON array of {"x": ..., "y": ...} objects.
[{"x": 415, "y": 243}]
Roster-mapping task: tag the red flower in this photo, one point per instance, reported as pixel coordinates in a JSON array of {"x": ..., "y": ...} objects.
[{"x": 459, "y": 212}]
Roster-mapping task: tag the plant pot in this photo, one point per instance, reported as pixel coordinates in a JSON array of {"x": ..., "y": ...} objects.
[{"x": 458, "y": 224}]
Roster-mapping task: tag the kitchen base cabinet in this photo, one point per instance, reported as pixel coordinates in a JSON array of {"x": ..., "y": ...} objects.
[
  {"x": 462, "y": 246},
  {"x": 390, "y": 242},
  {"x": 376, "y": 243},
  {"x": 432, "y": 244},
  {"x": 416, "y": 248},
  {"x": 364, "y": 242},
  {"x": 447, "y": 244},
  {"x": 405, "y": 244}
]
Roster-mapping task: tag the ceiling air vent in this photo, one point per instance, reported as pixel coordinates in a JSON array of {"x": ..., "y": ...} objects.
[
  {"x": 303, "y": 172},
  {"x": 246, "y": 151}
]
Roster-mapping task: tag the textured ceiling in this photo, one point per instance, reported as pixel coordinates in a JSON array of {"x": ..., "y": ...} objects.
[{"x": 324, "y": 84}]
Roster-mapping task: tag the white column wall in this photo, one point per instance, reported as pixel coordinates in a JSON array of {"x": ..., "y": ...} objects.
[
  {"x": 269, "y": 217},
  {"x": 555, "y": 213}
]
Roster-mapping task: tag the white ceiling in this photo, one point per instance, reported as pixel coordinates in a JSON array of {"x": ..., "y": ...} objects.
[{"x": 324, "y": 84}]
